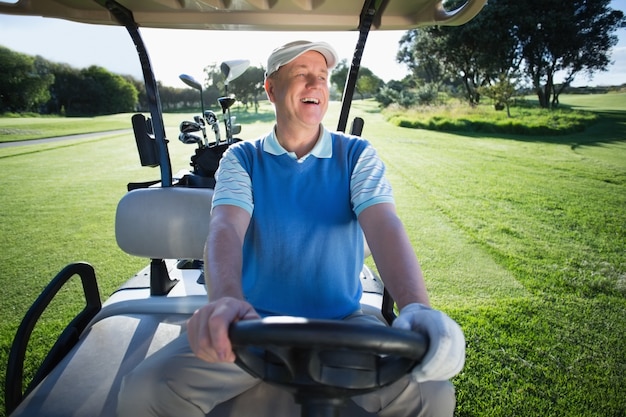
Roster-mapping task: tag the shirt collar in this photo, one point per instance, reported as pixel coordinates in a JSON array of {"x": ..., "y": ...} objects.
[{"x": 323, "y": 147}]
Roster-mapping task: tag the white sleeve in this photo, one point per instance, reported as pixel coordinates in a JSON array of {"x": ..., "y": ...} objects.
[
  {"x": 368, "y": 185},
  {"x": 233, "y": 185}
]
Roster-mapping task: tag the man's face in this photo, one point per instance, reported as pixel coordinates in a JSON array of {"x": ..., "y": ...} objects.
[{"x": 299, "y": 90}]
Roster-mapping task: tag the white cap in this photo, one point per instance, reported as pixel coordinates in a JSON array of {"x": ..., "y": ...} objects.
[{"x": 287, "y": 53}]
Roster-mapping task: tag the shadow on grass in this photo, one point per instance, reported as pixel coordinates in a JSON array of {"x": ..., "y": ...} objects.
[
  {"x": 610, "y": 127},
  {"x": 251, "y": 117}
]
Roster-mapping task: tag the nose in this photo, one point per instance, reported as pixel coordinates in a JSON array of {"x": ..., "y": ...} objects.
[{"x": 314, "y": 81}]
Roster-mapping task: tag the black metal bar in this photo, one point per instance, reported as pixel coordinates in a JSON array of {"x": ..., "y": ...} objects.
[
  {"x": 160, "y": 281},
  {"x": 125, "y": 17},
  {"x": 146, "y": 146},
  {"x": 387, "y": 309},
  {"x": 15, "y": 367},
  {"x": 371, "y": 12}
]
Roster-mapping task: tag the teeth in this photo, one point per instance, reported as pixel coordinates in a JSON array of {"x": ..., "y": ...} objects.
[{"x": 310, "y": 100}]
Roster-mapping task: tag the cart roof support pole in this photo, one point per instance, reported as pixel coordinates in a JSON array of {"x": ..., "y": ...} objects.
[
  {"x": 370, "y": 14},
  {"x": 125, "y": 17}
]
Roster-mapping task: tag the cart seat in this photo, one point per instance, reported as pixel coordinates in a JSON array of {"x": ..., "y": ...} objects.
[{"x": 165, "y": 223}]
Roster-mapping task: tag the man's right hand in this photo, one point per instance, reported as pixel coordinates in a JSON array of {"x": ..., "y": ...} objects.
[{"x": 207, "y": 329}]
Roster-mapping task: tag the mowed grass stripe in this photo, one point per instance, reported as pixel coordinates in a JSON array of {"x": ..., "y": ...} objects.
[
  {"x": 522, "y": 199},
  {"x": 458, "y": 271}
]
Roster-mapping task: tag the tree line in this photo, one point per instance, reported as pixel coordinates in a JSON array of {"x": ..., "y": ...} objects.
[
  {"x": 35, "y": 84},
  {"x": 510, "y": 46}
]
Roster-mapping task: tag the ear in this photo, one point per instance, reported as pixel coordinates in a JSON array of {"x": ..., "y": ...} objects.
[{"x": 269, "y": 88}]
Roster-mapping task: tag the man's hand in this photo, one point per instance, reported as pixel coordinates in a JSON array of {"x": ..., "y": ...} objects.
[
  {"x": 207, "y": 329},
  {"x": 446, "y": 351}
]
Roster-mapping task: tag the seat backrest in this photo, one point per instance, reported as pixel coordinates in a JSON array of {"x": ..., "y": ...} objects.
[{"x": 164, "y": 223}]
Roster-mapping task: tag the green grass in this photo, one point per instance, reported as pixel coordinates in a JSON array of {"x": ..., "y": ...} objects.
[
  {"x": 522, "y": 240},
  {"x": 524, "y": 120},
  {"x": 14, "y": 129}
]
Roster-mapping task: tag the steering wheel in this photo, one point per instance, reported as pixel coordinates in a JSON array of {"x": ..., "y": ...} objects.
[{"x": 324, "y": 362}]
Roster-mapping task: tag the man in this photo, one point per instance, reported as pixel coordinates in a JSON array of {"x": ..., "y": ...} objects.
[{"x": 286, "y": 237}]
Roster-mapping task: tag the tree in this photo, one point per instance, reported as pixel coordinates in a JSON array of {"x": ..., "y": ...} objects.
[
  {"x": 438, "y": 55},
  {"x": 65, "y": 90},
  {"x": 420, "y": 51},
  {"x": 501, "y": 93},
  {"x": 367, "y": 84},
  {"x": 36, "y": 84},
  {"x": 541, "y": 38},
  {"x": 396, "y": 92},
  {"x": 565, "y": 37},
  {"x": 469, "y": 55},
  {"x": 339, "y": 75},
  {"x": 249, "y": 86},
  {"x": 24, "y": 82},
  {"x": 102, "y": 92},
  {"x": 214, "y": 84}
]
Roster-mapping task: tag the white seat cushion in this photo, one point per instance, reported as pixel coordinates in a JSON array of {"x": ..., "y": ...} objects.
[{"x": 164, "y": 223}]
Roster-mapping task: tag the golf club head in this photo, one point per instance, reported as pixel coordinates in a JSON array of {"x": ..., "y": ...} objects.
[
  {"x": 189, "y": 127},
  {"x": 235, "y": 129},
  {"x": 190, "y": 81},
  {"x": 199, "y": 120},
  {"x": 189, "y": 139},
  {"x": 233, "y": 69},
  {"x": 210, "y": 117},
  {"x": 226, "y": 102}
]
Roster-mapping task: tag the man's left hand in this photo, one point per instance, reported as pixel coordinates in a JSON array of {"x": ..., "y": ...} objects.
[{"x": 446, "y": 350}]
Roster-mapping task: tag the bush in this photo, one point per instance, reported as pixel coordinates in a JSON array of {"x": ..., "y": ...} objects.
[
  {"x": 13, "y": 115},
  {"x": 483, "y": 118},
  {"x": 406, "y": 97}
]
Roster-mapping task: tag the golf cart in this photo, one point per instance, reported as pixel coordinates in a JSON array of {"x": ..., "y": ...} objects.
[{"x": 309, "y": 367}]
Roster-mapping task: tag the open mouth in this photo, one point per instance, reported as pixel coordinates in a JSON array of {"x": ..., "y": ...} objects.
[{"x": 310, "y": 100}]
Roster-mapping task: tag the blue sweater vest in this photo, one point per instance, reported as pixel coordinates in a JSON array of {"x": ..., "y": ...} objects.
[{"x": 303, "y": 251}]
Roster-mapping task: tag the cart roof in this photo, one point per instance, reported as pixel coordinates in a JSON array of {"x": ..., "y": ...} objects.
[{"x": 271, "y": 15}]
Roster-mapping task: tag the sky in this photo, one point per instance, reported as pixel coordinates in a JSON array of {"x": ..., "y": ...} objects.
[{"x": 173, "y": 52}]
